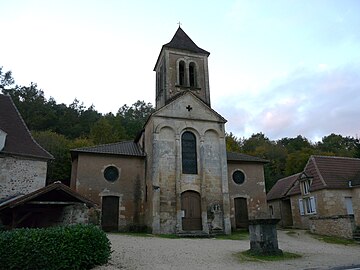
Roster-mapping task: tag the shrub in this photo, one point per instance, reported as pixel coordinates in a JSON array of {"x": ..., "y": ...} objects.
[{"x": 69, "y": 247}]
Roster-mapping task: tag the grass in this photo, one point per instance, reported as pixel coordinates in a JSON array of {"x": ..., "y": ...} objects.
[
  {"x": 334, "y": 239},
  {"x": 236, "y": 235},
  {"x": 248, "y": 256}
]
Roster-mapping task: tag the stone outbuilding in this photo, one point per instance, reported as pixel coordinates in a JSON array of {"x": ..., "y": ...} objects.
[
  {"x": 25, "y": 200},
  {"x": 324, "y": 197},
  {"x": 176, "y": 176}
]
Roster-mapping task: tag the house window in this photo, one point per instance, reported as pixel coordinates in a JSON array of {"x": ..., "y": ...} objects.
[
  {"x": 188, "y": 150},
  {"x": 238, "y": 177},
  {"x": 271, "y": 210},
  {"x": 305, "y": 186},
  {"x": 111, "y": 173},
  {"x": 192, "y": 74},
  {"x": 307, "y": 206},
  {"x": 182, "y": 73}
]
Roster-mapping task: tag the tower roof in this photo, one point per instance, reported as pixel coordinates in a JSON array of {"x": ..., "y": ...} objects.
[{"x": 183, "y": 42}]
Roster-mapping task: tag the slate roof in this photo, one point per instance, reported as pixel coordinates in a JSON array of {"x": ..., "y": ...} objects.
[
  {"x": 281, "y": 187},
  {"x": 126, "y": 148},
  {"x": 233, "y": 156},
  {"x": 183, "y": 42},
  {"x": 18, "y": 140},
  {"x": 54, "y": 192},
  {"x": 326, "y": 172}
]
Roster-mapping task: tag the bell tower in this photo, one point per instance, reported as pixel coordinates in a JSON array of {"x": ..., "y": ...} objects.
[{"x": 181, "y": 66}]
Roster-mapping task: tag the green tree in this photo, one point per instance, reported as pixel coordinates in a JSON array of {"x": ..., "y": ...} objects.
[
  {"x": 233, "y": 144},
  {"x": 59, "y": 169},
  {"x": 102, "y": 132},
  {"x": 339, "y": 145},
  {"x": 6, "y": 78},
  {"x": 133, "y": 118}
]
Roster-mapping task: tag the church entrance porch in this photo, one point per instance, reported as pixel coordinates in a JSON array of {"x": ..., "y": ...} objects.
[
  {"x": 241, "y": 213},
  {"x": 191, "y": 207}
]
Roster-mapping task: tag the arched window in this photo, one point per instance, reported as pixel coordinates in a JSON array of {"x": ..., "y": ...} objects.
[
  {"x": 182, "y": 73},
  {"x": 188, "y": 149},
  {"x": 192, "y": 74}
]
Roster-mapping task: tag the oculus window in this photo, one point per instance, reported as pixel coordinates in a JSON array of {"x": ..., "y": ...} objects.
[
  {"x": 111, "y": 173},
  {"x": 188, "y": 150},
  {"x": 238, "y": 177}
]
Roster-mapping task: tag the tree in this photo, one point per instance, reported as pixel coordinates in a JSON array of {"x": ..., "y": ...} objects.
[
  {"x": 295, "y": 144},
  {"x": 102, "y": 132},
  {"x": 339, "y": 145},
  {"x": 233, "y": 144},
  {"x": 59, "y": 169},
  {"x": 6, "y": 78},
  {"x": 133, "y": 118}
]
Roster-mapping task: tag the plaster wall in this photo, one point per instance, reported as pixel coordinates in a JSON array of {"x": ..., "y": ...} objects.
[
  {"x": 253, "y": 189},
  {"x": 129, "y": 187}
]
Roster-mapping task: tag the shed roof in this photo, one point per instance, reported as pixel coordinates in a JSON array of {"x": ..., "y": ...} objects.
[
  {"x": 57, "y": 192},
  {"x": 281, "y": 187},
  {"x": 18, "y": 140},
  {"x": 126, "y": 148},
  {"x": 234, "y": 156}
]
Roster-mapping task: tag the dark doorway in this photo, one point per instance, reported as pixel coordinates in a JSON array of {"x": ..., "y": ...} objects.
[
  {"x": 110, "y": 213},
  {"x": 241, "y": 213},
  {"x": 286, "y": 214},
  {"x": 191, "y": 205}
]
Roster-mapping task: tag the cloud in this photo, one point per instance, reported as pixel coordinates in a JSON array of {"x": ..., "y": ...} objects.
[{"x": 312, "y": 103}]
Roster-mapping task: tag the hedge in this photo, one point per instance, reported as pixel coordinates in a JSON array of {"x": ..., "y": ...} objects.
[{"x": 69, "y": 247}]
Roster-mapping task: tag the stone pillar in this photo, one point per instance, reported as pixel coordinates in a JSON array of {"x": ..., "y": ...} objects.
[
  {"x": 178, "y": 184},
  {"x": 263, "y": 237},
  {"x": 155, "y": 186},
  {"x": 204, "y": 217},
  {"x": 225, "y": 185}
]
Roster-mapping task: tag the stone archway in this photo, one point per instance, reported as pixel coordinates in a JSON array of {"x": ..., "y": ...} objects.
[{"x": 191, "y": 205}]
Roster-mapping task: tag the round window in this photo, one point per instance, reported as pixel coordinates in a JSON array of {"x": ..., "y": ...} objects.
[
  {"x": 111, "y": 173},
  {"x": 238, "y": 177}
]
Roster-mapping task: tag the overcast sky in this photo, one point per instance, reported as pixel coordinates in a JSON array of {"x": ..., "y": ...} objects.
[{"x": 284, "y": 68}]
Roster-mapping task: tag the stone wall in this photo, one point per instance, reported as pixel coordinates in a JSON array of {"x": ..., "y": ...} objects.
[
  {"x": 75, "y": 214},
  {"x": 21, "y": 175},
  {"x": 341, "y": 226},
  {"x": 329, "y": 202}
]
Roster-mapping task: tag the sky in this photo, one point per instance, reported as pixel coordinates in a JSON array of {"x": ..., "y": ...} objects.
[{"x": 283, "y": 68}]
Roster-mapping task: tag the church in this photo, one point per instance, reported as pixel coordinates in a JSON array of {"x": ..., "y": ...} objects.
[{"x": 176, "y": 175}]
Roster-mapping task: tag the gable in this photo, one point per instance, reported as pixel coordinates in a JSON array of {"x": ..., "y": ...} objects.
[{"x": 188, "y": 106}]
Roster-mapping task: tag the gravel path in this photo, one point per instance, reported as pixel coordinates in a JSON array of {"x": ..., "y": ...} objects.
[{"x": 132, "y": 252}]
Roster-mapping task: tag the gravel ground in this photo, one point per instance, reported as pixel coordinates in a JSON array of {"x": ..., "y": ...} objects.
[{"x": 131, "y": 252}]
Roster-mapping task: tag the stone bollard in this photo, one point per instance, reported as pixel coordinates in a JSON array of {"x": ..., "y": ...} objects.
[{"x": 263, "y": 237}]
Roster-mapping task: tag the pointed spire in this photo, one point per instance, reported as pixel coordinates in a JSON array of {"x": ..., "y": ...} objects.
[{"x": 183, "y": 42}]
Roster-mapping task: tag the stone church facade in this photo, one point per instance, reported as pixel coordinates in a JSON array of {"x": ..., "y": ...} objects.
[{"x": 176, "y": 176}]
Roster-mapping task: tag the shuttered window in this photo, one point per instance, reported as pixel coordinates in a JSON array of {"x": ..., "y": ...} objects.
[
  {"x": 188, "y": 150},
  {"x": 301, "y": 207}
]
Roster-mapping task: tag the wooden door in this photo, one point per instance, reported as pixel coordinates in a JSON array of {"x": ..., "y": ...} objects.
[
  {"x": 110, "y": 213},
  {"x": 191, "y": 205},
  {"x": 241, "y": 213}
]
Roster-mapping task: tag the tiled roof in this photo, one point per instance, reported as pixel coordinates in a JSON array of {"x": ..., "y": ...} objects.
[
  {"x": 281, "y": 187},
  {"x": 233, "y": 156},
  {"x": 63, "y": 193},
  {"x": 330, "y": 172},
  {"x": 18, "y": 140},
  {"x": 127, "y": 148},
  {"x": 183, "y": 42}
]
